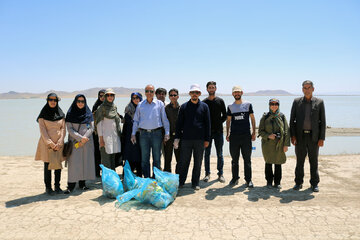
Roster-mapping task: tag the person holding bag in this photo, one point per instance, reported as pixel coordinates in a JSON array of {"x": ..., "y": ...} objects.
[
  {"x": 275, "y": 133},
  {"x": 50, "y": 146},
  {"x": 80, "y": 125}
]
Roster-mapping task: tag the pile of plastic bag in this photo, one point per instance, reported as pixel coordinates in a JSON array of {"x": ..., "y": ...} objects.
[{"x": 159, "y": 192}]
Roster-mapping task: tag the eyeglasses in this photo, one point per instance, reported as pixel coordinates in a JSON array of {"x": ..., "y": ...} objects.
[
  {"x": 172, "y": 95},
  {"x": 80, "y": 101},
  {"x": 110, "y": 95},
  {"x": 52, "y": 100},
  {"x": 149, "y": 91},
  {"x": 274, "y": 104},
  {"x": 195, "y": 92}
]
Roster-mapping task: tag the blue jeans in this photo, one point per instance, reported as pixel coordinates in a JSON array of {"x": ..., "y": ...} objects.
[
  {"x": 219, "y": 143},
  {"x": 150, "y": 140}
]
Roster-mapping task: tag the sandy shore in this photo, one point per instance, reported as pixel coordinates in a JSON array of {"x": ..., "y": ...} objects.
[{"x": 215, "y": 212}]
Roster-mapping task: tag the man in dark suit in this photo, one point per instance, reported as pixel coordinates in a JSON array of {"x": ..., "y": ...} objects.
[{"x": 307, "y": 129}]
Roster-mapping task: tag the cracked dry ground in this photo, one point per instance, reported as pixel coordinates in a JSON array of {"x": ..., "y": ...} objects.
[{"x": 215, "y": 212}]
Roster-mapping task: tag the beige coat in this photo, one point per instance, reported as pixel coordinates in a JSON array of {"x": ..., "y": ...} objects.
[{"x": 52, "y": 133}]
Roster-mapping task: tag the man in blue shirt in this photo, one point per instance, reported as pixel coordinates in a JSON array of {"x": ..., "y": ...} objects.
[
  {"x": 193, "y": 128},
  {"x": 150, "y": 118},
  {"x": 239, "y": 135}
]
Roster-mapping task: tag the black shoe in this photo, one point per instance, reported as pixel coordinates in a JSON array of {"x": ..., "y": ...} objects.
[
  {"x": 269, "y": 185},
  {"x": 206, "y": 178},
  {"x": 84, "y": 188},
  {"x": 181, "y": 185},
  {"x": 277, "y": 186},
  {"x": 49, "y": 191},
  {"x": 315, "y": 188},
  {"x": 68, "y": 191},
  {"x": 250, "y": 184},
  {"x": 58, "y": 190},
  {"x": 234, "y": 181},
  {"x": 297, "y": 187}
]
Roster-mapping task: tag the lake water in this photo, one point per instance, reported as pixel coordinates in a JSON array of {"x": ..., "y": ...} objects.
[{"x": 19, "y": 131}]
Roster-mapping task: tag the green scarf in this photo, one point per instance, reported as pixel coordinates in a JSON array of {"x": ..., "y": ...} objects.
[
  {"x": 108, "y": 110},
  {"x": 277, "y": 118}
]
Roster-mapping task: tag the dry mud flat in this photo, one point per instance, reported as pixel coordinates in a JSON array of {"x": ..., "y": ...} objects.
[{"x": 215, "y": 212}]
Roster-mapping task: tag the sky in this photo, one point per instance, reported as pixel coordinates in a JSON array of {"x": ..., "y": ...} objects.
[{"x": 72, "y": 45}]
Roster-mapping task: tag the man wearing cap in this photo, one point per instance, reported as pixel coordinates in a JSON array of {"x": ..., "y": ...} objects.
[
  {"x": 239, "y": 136},
  {"x": 307, "y": 130},
  {"x": 218, "y": 117},
  {"x": 193, "y": 128},
  {"x": 150, "y": 118}
]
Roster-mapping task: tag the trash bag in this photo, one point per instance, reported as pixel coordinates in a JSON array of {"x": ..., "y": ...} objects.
[
  {"x": 152, "y": 193},
  {"x": 168, "y": 181},
  {"x": 112, "y": 186},
  {"x": 131, "y": 181},
  {"x": 125, "y": 197}
]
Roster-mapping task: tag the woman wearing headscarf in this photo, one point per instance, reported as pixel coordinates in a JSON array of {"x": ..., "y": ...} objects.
[
  {"x": 99, "y": 101},
  {"x": 50, "y": 146},
  {"x": 80, "y": 125},
  {"x": 132, "y": 152},
  {"x": 275, "y": 134},
  {"x": 108, "y": 128}
]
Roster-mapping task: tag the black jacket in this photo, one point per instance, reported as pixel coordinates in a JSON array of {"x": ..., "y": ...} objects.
[{"x": 318, "y": 121}]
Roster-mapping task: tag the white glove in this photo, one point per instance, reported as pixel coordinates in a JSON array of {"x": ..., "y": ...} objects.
[{"x": 176, "y": 143}]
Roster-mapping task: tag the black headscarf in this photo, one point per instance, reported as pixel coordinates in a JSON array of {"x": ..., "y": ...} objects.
[
  {"x": 98, "y": 101},
  {"x": 49, "y": 113},
  {"x": 77, "y": 115}
]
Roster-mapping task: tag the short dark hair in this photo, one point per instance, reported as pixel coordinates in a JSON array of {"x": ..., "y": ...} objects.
[
  {"x": 160, "y": 90},
  {"x": 210, "y": 83},
  {"x": 308, "y": 82},
  {"x": 174, "y": 90}
]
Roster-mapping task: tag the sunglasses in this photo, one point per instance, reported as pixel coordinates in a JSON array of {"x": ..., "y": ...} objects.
[
  {"x": 173, "y": 95},
  {"x": 195, "y": 92},
  {"x": 52, "y": 100},
  {"x": 149, "y": 91},
  {"x": 134, "y": 98},
  {"x": 274, "y": 104},
  {"x": 110, "y": 95},
  {"x": 101, "y": 95},
  {"x": 80, "y": 101}
]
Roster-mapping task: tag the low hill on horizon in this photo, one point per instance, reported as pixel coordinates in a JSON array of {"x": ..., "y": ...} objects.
[{"x": 121, "y": 92}]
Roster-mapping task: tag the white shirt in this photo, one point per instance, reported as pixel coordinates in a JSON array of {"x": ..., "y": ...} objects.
[{"x": 107, "y": 129}]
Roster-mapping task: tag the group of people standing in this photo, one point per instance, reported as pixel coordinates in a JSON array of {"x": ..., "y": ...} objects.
[{"x": 154, "y": 126}]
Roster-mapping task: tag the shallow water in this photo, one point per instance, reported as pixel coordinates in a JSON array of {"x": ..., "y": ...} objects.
[{"x": 19, "y": 131}]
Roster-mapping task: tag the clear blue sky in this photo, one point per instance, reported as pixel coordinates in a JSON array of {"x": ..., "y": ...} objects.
[{"x": 74, "y": 45}]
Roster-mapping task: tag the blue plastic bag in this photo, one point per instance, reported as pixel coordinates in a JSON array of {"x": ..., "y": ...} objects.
[
  {"x": 152, "y": 193},
  {"x": 168, "y": 181},
  {"x": 131, "y": 181},
  {"x": 112, "y": 186},
  {"x": 125, "y": 197}
]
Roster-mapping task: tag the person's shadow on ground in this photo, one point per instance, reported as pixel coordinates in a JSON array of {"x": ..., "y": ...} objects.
[
  {"x": 227, "y": 190},
  {"x": 286, "y": 196}
]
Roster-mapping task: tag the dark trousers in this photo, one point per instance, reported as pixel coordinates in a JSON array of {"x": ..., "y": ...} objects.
[
  {"x": 189, "y": 147},
  {"x": 303, "y": 148},
  {"x": 271, "y": 176},
  {"x": 169, "y": 149},
  {"x": 97, "y": 155},
  {"x": 108, "y": 160},
  {"x": 241, "y": 143},
  {"x": 150, "y": 141},
  {"x": 47, "y": 176},
  {"x": 219, "y": 142}
]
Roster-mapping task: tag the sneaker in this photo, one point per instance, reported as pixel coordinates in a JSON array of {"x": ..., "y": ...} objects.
[
  {"x": 206, "y": 178},
  {"x": 297, "y": 187},
  {"x": 277, "y": 186},
  {"x": 67, "y": 191},
  {"x": 315, "y": 188},
  {"x": 250, "y": 184},
  {"x": 58, "y": 190},
  {"x": 234, "y": 181},
  {"x": 196, "y": 188},
  {"x": 221, "y": 179}
]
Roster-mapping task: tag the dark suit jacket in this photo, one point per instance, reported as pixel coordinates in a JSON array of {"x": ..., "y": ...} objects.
[{"x": 318, "y": 121}]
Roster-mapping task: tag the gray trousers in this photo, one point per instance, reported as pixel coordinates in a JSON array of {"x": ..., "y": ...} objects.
[{"x": 108, "y": 160}]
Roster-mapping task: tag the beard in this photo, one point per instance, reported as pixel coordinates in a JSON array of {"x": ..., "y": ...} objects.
[{"x": 237, "y": 98}]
